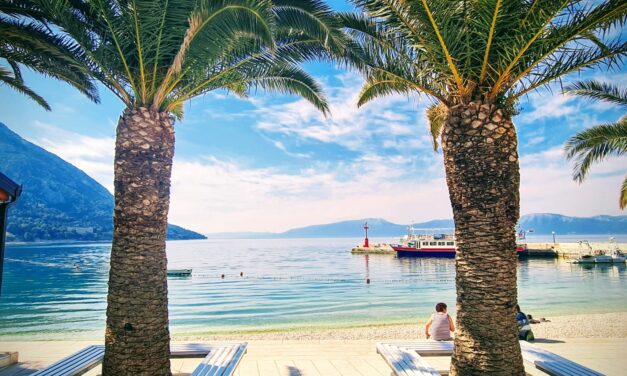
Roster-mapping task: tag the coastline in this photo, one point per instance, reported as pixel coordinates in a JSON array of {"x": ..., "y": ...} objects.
[
  {"x": 595, "y": 325},
  {"x": 578, "y": 325}
]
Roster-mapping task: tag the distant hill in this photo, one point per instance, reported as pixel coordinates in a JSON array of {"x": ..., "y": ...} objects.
[
  {"x": 539, "y": 223},
  {"x": 59, "y": 201}
]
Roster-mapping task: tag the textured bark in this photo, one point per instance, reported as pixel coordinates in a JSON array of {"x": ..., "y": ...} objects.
[
  {"x": 482, "y": 173},
  {"x": 137, "y": 336}
]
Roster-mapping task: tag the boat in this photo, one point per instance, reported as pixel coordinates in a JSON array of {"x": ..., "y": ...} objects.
[
  {"x": 587, "y": 256},
  {"x": 432, "y": 245},
  {"x": 179, "y": 272},
  {"x": 617, "y": 255}
]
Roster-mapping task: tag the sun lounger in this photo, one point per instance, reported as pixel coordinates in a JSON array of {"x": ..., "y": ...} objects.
[
  {"x": 405, "y": 362},
  {"x": 221, "y": 362},
  {"x": 405, "y": 358},
  {"x": 553, "y": 364},
  {"x": 222, "y": 355}
]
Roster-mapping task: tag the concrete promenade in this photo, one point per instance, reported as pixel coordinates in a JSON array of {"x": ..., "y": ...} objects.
[{"x": 325, "y": 357}]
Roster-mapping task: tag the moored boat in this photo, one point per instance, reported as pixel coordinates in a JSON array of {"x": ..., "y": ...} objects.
[
  {"x": 617, "y": 255},
  {"x": 433, "y": 245},
  {"x": 179, "y": 272}
]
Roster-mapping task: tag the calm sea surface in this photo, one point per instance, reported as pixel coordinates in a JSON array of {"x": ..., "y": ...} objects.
[{"x": 287, "y": 284}]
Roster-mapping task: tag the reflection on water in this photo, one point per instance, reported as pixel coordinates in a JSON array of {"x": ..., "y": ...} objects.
[{"x": 286, "y": 283}]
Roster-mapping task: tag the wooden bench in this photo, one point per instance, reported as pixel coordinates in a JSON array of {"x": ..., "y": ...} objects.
[
  {"x": 405, "y": 362},
  {"x": 553, "y": 364},
  {"x": 86, "y": 359},
  {"x": 401, "y": 357}
]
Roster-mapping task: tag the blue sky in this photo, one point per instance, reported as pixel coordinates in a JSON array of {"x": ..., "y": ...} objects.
[{"x": 272, "y": 162}]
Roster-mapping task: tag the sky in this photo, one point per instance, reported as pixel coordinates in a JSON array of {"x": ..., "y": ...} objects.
[{"x": 273, "y": 162}]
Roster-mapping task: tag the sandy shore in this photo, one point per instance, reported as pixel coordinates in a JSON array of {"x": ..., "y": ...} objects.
[{"x": 597, "y": 325}]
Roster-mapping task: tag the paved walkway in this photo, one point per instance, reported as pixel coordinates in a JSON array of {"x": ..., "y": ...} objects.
[{"x": 324, "y": 358}]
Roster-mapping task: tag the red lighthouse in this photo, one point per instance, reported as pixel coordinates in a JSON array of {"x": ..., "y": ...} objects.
[{"x": 366, "y": 240}]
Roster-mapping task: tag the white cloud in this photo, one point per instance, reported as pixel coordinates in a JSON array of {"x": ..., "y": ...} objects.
[
  {"x": 94, "y": 155},
  {"x": 385, "y": 121},
  {"x": 215, "y": 195},
  {"x": 547, "y": 185}
]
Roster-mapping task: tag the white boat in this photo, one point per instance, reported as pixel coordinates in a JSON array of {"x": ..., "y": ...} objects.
[
  {"x": 585, "y": 256},
  {"x": 601, "y": 258},
  {"x": 179, "y": 272},
  {"x": 617, "y": 255}
]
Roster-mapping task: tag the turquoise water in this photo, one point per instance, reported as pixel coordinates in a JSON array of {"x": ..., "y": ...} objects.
[{"x": 287, "y": 284}]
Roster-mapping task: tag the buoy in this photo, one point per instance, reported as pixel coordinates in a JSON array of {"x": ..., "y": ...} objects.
[
  {"x": 367, "y": 281},
  {"x": 241, "y": 274},
  {"x": 222, "y": 276}
]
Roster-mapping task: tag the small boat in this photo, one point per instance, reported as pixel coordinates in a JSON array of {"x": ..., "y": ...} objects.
[
  {"x": 585, "y": 257},
  {"x": 601, "y": 258},
  {"x": 179, "y": 272},
  {"x": 617, "y": 255}
]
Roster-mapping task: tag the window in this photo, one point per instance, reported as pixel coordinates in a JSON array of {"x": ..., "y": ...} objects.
[
  {"x": 450, "y": 243},
  {"x": 433, "y": 243}
]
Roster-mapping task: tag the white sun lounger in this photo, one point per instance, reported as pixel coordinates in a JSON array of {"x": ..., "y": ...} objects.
[
  {"x": 220, "y": 359},
  {"x": 406, "y": 359}
]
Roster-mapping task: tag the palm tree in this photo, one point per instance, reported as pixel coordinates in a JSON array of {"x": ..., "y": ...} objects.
[
  {"x": 27, "y": 39},
  {"x": 601, "y": 141},
  {"x": 474, "y": 60},
  {"x": 155, "y": 56}
]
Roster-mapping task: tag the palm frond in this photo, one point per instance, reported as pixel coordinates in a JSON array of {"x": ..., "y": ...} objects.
[
  {"x": 598, "y": 91},
  {"x": 9, "y": 79},
  {"x": 28, "y": 39},
  {"x": 436, "y": 115},
  {"x": 623, "y": 194},
  {"x": 595, "y": 144}
]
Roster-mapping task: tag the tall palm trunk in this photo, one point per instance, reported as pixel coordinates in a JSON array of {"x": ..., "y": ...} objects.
[
  {"x": 137, "y": 335},
  {"x": 482, "y": 173}
]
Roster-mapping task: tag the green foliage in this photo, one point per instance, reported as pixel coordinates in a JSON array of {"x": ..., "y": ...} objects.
[
  {"x": 27, "y": 39},
  {"x": 495, "y": 51},
  {"x": 599, "y": 91},
  {"x": 601, "y": 141},
  {"x": 160, "y": 53}
]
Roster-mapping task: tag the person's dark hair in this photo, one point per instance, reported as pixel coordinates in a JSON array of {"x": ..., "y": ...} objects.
[
  {"x": 440, "y": 307},
  {"x": 517, "y": 308}
]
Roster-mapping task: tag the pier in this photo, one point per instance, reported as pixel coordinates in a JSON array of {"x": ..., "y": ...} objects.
[{"x": 555, "y": 250}]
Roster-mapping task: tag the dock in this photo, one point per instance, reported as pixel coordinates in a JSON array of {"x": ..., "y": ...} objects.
[
  {"x": 374, "y": 249},
  {"x": 570, "y": 250},
  {"x": 550, "y": 250}
]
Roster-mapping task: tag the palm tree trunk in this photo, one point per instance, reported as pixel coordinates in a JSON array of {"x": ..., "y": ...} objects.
[
  {"x": 482, "y": 173},
  {"x": 137, "y": 337}
]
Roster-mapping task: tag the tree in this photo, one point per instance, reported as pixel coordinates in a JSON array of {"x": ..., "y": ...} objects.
[
  {"x": 26, "y": 39},
  {"x": 601, "y": 141},
  {"x": 156, "y": 55},
  {"x": 474, "y": 60}
]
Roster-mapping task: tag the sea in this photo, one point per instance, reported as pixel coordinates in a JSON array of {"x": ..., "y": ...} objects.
[{"x": 278, "y": 284}]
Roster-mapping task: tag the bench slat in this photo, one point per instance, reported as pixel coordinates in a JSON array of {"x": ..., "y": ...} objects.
[
  {"x": 222, "y": 361},
  {"x": 404, "y": 362},
  {"x": 75, "y": 364},
  {"x": 554, "y": 364}
]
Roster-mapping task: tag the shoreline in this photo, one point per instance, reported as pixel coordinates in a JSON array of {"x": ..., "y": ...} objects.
[{"x": 578, "y": 325}]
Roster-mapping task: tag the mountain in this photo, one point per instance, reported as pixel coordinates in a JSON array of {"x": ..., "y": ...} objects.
[
  {"x": 544, "y": 223},
  {"x": 539, "y": 223},
  {"x": 58, "y": 201}
]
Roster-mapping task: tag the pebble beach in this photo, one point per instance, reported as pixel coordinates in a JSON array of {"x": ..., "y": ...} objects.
[{"x": 596, "y": 325}]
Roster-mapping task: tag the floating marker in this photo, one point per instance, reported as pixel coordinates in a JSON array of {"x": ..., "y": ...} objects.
[
  {"x": 367, "y": 281},
  {"x": 222, "y": 276}
]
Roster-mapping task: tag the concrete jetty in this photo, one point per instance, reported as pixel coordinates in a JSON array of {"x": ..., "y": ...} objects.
[
  {"x": 373, "y": 249},
  {"x": 571, "y": 250},
  {"x": 562, "y": 250}
]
